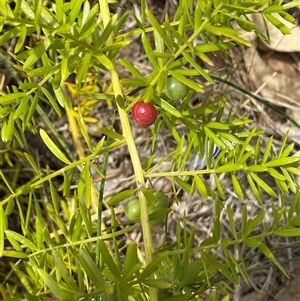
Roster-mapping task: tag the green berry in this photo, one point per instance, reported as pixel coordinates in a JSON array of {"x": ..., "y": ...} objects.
[
  {"x": 174, "y": 89},
  {"x": 156, "y": 221},
  {"x": 162, "y": 202},
  {"x": 132, "y": 210}
]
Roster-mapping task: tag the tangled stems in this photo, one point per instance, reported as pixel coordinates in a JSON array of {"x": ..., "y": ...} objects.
[{"x": 127, "y": 133}]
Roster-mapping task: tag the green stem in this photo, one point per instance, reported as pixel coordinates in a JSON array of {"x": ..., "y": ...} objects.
[
  {"x": 137, "y": 167},
  {"x": 38, "y": 179},
  {"x": 256, "y": 97}
]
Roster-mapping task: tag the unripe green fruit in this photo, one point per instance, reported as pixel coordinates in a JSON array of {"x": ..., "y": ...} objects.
[
  {"x": 157, "y": 221},
  {"x": 132, "y": 210},
  {"x": 162, "y": 202},
  {"x": 174, "y": 89}
]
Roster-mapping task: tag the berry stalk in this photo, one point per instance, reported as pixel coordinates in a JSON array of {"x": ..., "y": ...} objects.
[{"x": 137, "y": 167}]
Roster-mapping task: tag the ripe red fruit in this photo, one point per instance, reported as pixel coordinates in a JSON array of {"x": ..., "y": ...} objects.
[{"x": 144, "y": 114}]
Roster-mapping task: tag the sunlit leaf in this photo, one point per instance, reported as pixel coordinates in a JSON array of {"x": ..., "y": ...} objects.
[
  {"x": 23, "y": 240},
  {"x": 229, "y": 168},
  {"x": 64, "y": 271},
  {"x": 105, "y": 61},
  {"x": 7, "y": 130},
  {"x": 227, "y": 32},
  {"x": 53, "y": 147},
  {"x": 153, "y": 266},
  {"x": 21, "y": 40},
  {"x": 52, "y": 101},
  {"x": 254, "y": 189},
  {"x": 237, "y": 186},
  {"x": 294, "y": 206},
  {"x": 287, "y": 232},
  {"x": 158, "y": 283},
  {"x": 90, "y": 268},
  {"x": 121, "y": 196},
  {"x": 183, "y": 184},
  {"x": 53, "y": 286},
  {"x": 275, "y": 174},
  {"x": 149, "y": 51},
  {"x": 192, "y": 84},
  {"x": 198, "y": 68},
  {"x": 167, "y": 107},
  {"x": 251, "y": 224},
  {"x": 109, "y": 261},
  {"x": 277, "y": 23},
  {"x": 86, "y": 215},
  {"x": 14, "y": 254},
  {"x": 37, "y": 52},
  {"x": 159, "y": 29},
  {"x": 10, "y": 98},
  {"x": 219, "y": 266},
  {"x": 282, "y": 162},
  {"x": 83, "y": 69},
  {"x": 268, "y": 253}
]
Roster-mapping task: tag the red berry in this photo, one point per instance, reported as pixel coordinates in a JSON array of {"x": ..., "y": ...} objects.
[{"x": 144, "y": 114}]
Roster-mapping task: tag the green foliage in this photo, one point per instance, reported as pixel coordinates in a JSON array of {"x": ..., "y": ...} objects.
[{"x": 62, "y": 252}]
